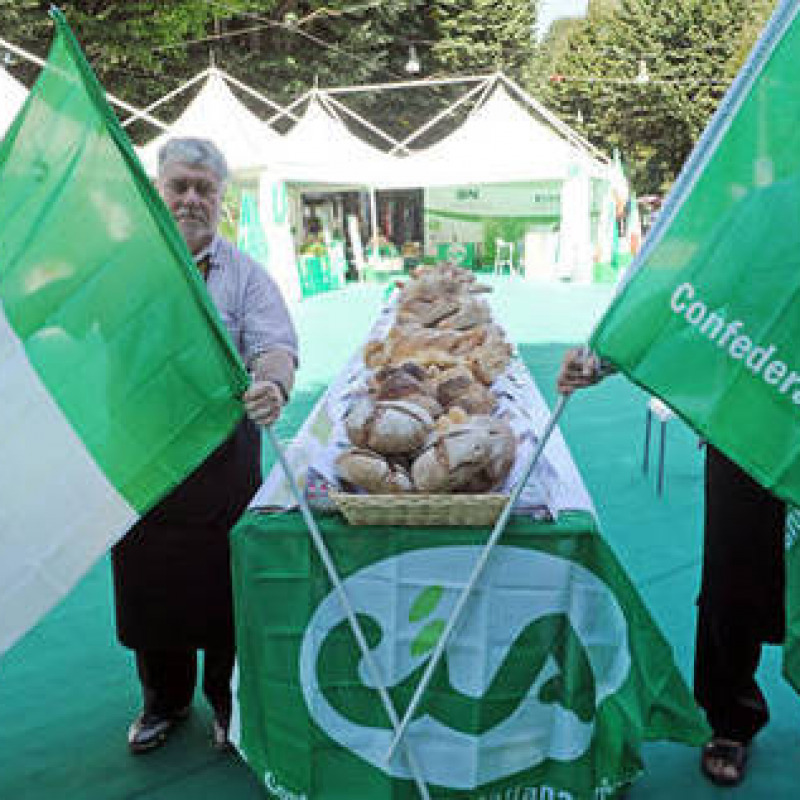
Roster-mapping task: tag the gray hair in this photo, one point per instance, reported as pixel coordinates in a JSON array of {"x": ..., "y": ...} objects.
[{"x": 196, "y": 153}]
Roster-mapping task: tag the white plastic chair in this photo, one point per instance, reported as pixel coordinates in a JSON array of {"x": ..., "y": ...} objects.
[
  {"x": 657, "y": 409},
  {"x": 503, "y": 256}
]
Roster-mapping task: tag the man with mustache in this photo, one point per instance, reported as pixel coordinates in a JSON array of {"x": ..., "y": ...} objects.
[{"x": 171, "y": 572}]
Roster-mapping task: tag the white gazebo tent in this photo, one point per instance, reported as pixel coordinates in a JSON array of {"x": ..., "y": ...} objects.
[
  {"x": 215, "y": 113},
  {"x": 12, "y": 96},
  {"x": 513, "y": 156},
  {"x": 499, "y": 142},
  {"x": 250, "y": 146},
  {"x": 507, "y": 159},
  {"x": 322, "y": 155}
]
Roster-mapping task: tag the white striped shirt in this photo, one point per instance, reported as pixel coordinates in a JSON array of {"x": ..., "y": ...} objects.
[{"x": 249, "y": 302}]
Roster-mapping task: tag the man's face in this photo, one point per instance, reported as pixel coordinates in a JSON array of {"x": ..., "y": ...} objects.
[{"x": 194, "y": 196}]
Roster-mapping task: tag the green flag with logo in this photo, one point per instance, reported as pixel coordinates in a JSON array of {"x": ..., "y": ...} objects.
[
  {"x": 553, "y": 678},
  {"x": 709, "y": 317}
]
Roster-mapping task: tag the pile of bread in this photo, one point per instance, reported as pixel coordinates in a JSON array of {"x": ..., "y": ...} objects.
[{"x": 424, "y": 422}]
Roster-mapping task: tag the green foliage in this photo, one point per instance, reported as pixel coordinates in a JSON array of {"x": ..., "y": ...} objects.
[
  {"x": 143, "y": 49},
  {"x": 477, "y": 35},
  {"x": 692, "y": 50}
]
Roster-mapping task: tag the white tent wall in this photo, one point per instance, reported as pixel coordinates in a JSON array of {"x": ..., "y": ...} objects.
[
  {"x": 275, "y": 214},
  {"x": 575, "y": 250},
  {"x": 12, "y": 96}
]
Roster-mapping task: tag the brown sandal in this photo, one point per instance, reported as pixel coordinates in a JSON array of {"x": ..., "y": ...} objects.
[{"x": 730, "y": 756}]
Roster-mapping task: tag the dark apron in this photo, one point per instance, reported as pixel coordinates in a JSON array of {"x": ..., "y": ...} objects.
[{"x": 172, "y": 580}]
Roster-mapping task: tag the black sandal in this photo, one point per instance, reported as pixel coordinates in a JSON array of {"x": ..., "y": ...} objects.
[{"x": 732, "y": 756}]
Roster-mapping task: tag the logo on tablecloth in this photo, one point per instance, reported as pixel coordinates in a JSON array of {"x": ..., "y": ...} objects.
[{"x": 541, "y": 642}]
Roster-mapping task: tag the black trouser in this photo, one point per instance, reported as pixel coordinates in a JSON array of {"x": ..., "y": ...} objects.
[
  {"x": 168, "y": 679},
  {"x": 742, "y": 597}
]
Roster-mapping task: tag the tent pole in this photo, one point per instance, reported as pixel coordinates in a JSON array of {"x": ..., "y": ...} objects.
[
  {"x": 253, "y": 93},
  {"x": 370, "y": 87},
  {"x": 110, "y": 97},
  {"x": 452, "y": 107},
  {"x": 373, "y": 210},
  {"x": 182, "y": 88},
  {"x": 334, "y": 104},
  {"x": 487, "y": 88},
  {"x": 287, "y": 110}
]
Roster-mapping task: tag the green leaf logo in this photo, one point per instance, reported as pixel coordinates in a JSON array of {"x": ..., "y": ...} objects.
[
  {"x": 425, "y": 604},
  {"x": 426, "y": 639},
  {"x": 422, "y": 608}
]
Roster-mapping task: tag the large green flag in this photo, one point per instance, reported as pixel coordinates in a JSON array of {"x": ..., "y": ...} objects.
[
  {"x": 116, "y": 376},
  {"x": 553, "y": 678},
  {"x": 709, "y": 317}
]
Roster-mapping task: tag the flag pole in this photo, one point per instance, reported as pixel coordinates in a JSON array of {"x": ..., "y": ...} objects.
[
  {"x": 333, "y": 575},
  {"x": 497, "y": 532}
]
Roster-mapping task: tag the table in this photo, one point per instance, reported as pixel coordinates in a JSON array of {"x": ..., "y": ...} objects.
[
  {"x": 554, "y": 678},
  {"x": 554, "y": 675}
]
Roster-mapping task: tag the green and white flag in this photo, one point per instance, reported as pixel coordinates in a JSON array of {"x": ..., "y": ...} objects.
[
  {"x": 553, "y": 678},
  {"x": 116, "y": 376},
  {"x": 709, "y": 317}
]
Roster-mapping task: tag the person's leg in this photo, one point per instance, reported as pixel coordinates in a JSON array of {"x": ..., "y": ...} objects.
[
  {"x": 726, "y": 659},
  {"x": 741, "y": 606},
  {"x": 218, "y": 664},
  {"x": 167, "y": 678}
]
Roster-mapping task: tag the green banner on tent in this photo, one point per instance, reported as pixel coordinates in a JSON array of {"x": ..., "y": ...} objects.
[
  {"x": 555, "y": 675},
  {"x": 709, "y": 319},
  {"x": 251, "y": 238}
]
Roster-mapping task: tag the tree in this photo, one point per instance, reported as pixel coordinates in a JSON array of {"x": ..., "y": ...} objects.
[
  {"x": 691, "y": 50},
  {"x": 143, "y": 49}
]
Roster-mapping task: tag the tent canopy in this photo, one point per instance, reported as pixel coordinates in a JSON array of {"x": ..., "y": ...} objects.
[
  {"x": 500, "y": 142},
  {"x": 249, "y": 144},
  {"x": 12, "y": 96},
  {"x": 320, "y": 149}
]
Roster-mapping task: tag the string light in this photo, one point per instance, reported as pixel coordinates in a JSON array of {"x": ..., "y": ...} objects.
[{"x": 412, "y": 65}]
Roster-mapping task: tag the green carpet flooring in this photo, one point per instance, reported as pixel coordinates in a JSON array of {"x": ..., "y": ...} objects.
[{"x": 68, "y": 691}]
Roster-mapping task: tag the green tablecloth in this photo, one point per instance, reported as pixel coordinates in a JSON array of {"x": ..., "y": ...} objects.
[{"x": 552, "y": 680}]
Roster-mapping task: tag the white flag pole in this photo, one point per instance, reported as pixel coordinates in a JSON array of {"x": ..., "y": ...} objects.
[
  {"x": 333, "y": 575},
  {"x": 497, "y": 532}
]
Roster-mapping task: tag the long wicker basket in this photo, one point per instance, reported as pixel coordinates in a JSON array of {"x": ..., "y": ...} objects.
[{"x": 463, "y": 510}]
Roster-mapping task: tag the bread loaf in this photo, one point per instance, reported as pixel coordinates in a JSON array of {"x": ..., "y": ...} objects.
[
  {"x": 475, "y": 456},
  {"x": 471, "y": 311},
  {"x": 458, "y": 387},
  {"x": 388, "y": 427},
  {"x": 372, "y": 473}
]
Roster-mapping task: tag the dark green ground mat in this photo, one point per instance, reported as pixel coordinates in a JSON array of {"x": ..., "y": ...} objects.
[{"x": 68, "y": 691}]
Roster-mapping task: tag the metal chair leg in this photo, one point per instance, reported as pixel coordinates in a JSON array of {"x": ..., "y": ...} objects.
[
  {"x": 647, "y": 426},
  {"x": 661, "y": 454}
]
